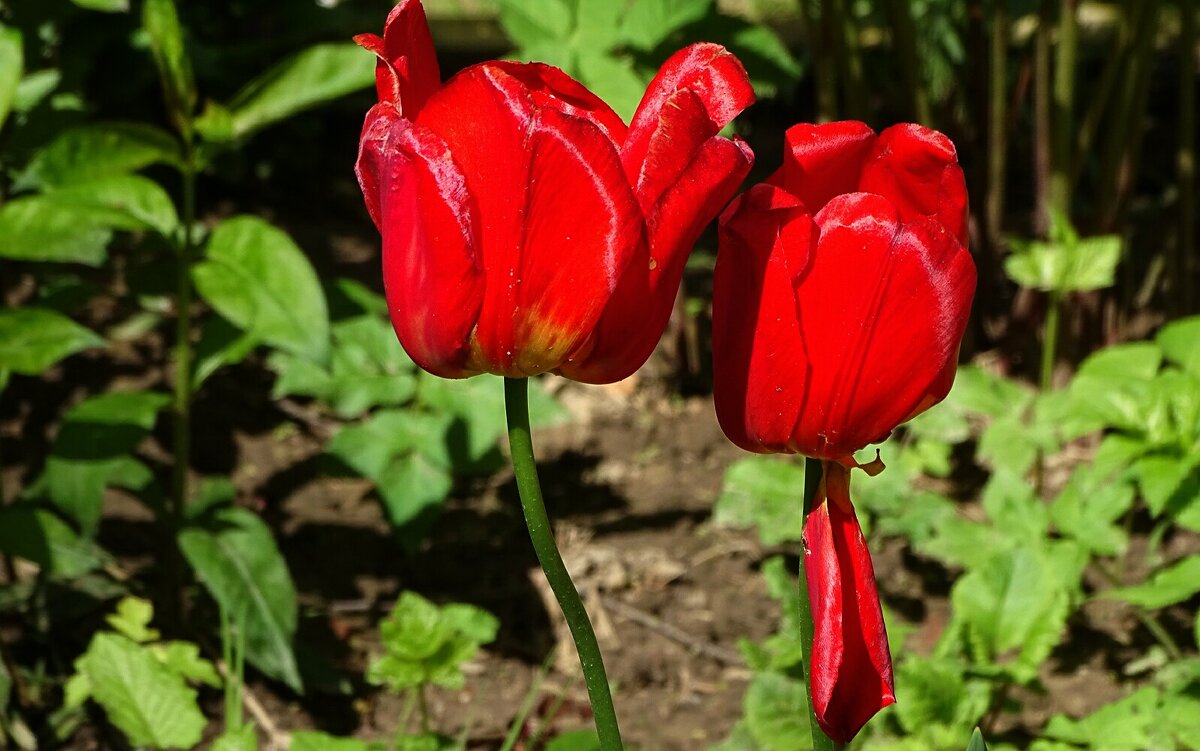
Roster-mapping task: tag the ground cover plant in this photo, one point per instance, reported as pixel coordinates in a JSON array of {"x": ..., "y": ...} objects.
[{"x": 236, "y": 513}]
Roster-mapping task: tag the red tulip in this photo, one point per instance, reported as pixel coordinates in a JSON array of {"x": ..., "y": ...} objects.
[
  {"x": 841, "y": 294},
  {"x": 525, "y": 227}
]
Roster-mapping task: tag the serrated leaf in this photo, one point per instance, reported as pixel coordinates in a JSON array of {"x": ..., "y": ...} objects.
[
  {"x": 38, "y": 229},
  {"x": 765, "y": 493},
  {"x": 936, "y": 692},
  {"x": 1180, "y": 342},
  {"x": 149, "y": 704},
  {"x": 776, "y": 713},
  {"x": 259, "y": 280},
  {"x": 92, "y": 152},
  {"x": 91, "y": 451},
  {"x": 529, "y": 23},
  {"x": 39, "y": 536},
  {"x": 648, "y": 23},
  {"x": 161, "y": 22},
  {"x": 132, "y": 620},
  {"x": 183, "y": 658},
  {"x": 235, "y": 556},
  {"x": 33, "y": 339},
  {"x": 1176, "y": 583},
  {"x": 425, "y": 644},
  {"x": 307, "y": 79},
  {"x": 12, "y": 67}
]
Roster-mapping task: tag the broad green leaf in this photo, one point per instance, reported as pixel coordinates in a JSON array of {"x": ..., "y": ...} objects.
[
  {"x": 1125, "y": 725},
  {"x": 91, "y": 152},
  {"x": 1123, "y": 363},
  {"x": 579, "y": 740},
  {"x": 33, "y": 339},
  {"x": 613, "y": 79},
  {"x": 978, "y": 391},
  {"x": 1013, "y": 445},
  {"x": 776, "y": 713},
  {"x": 1065, "y": 266},
  {"x": 91, "y": 451},
  {"x": 12, "y": 66},
  {"x": 132, "y": 620},
  {"x": 1012, "y": 611},
  {"x": 39, "y": 536},
  {"x": 1168, "y": 483},
  {"x": 258, "y": 279},
  {"x": 149, "y": 704},
  {"x": 530, "y": 23},
  {"x": 105, "y": 6},
  {"x": 598, "y": 24},
  {"x": 127, "y": 202},
  {"x": 221, "y": 344},
  {"x": 648, "y": 23},
  {"x": 37, "y": 229},
  {"x": 35, "y": 87},
  {"x": 413, "y": 490},
  {"x": 311, "y": 77},
  {"x": 1180, "y": 342},
  {"x": 244, "y": 738},
  {"x": 769, "y": 63},
  {"x": 235, "y": 556},
  {"x": 183, "y": 658},
  {"x": 935, "y": 691},
  {"x": 425, "y": 644},
  {"x": 766, "y": 493},
  {"x": 739, "y": 739},
  {"x": 161, "y": 22},
  {"x": 1088, "y": 509},
  {"x": 1176, "y": 583},
  {"x": 310, "y": 740}
]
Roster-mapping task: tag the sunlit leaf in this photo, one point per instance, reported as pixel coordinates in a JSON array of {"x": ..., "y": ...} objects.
[
  {"x": 90, "y": 152},
  {"x": 767, "y": 494},
  {"x": 33, "y": 339},
  {"x": 12, "y": 66},
  {"x": 1176, "y": 583},
  {"x": 161, "y": 22}
]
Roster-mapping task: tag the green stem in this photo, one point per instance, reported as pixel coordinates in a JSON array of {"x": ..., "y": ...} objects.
[
  {"x": 1041, "y": 118},
  {"x": 1050, "y": 341},
  {"x": 1064, "y": 109},
  {"x": 182, "y": 404},
  {"x": 824, "y": 75},
  {"x": 1185, "y": 247},
  {"x": 904, "y": 45},
  {"x": 423, "y": 708},
  {"x": 812, "y": 483},
  {"x": 997, "y": 119},
  {"x": 516, "y": 403}
]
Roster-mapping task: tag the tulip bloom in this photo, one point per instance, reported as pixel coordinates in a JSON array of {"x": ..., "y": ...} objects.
[
  {"x": 526, "y": 228},
  {"x": 841, "y": 294}
]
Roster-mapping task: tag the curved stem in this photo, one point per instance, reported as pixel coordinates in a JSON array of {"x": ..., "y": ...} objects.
[
  {"x": 812, "y": 483},
  {"x": 516, "y": 405}
]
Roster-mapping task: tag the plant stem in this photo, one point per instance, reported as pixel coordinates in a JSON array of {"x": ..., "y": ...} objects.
[
  {"x": 182, "y": 404},
  {"x": 997, "y": 119},
  {"x": 1182, "y": 270},
  {"x": 824, "y": 75},
  {"x": 516, "y": 403},
  {"x": 1063, "y": 122},
  {"x": 904, "y": 45},
  {"x": 1050, "y": 341},
  {"x": 1041, "y": 119},
  {"x": 423, "y": 708},
  {"x": 812, "y": 484}
]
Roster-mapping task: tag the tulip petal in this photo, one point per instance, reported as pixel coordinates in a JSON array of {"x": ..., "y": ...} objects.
[
  {"x": 582, "y": 227},
  {"x": 880, "y": 300},
  {"x": 406, "y": 74},
  {"x": 551, "y": 88},
  {"x": 917, "y": 170},
  {"x": 432, "y": 273},
  {"x": 698, "y": 91},
  {"x": 850, "y": 672},
  {"x": 760, "y": 369},
  {"x": 823, "y": 161},
  {"x": 633, "y": 321}
]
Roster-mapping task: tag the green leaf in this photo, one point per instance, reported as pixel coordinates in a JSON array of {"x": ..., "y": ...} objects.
[
  {"x": 258, "y": 279},
  {"x": 1168, "y": 586},
  {"x": 34, "y": 88},
  {"x": 768, "y": 61},
  {"x": 126, "y": 202},
  {"x": 614, "y": 79},
  {"x": 579, "y": 740},
  {"x": 1011, "y": 444},
  {"x": 648, "y": 23},
  {"x": 132, "y": 620},
  {"x": 977, "y": 391},
  {"x": 235, "y": 556},
  {"x": 33, "y": 339},
  {"x": 12, "y": 66},
  {"x": 977, "y": 743},
  {"x": 1125, "y": 725},
  {"x": 91, "y": 451},
  {"x": 765, "y": 493},
  {"x": 1088, "y": 510},
  {"x": 1013, "y": 613},
  {"x": 183, "y": 658},
  {"x": 425, "y": 644},
  {"x": 934, "y": 691},
  {"x": 90, "y": 152},
  {"x": 1066, "y": 265},
  {"x": 776, "y": 713},
  {"x": 104, "y": 6},
  {"x": 221, "y": 344},
  {"x": 307, "y": 79},
  {"x": 149, "y": 704},
  {"x": 38, "y": 535},
  {"x": 241, "y": 738},
  {"x": 309, "y": 740},
  {"x": 530, "y": 23},
  {"x": 161, "y": 22},
  {"x": 1180, "y": 342},
  {"x": 38, "y": 229}
]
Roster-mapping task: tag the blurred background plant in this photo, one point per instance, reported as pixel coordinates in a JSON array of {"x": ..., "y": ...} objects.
[{"x": 185, "y": 264}]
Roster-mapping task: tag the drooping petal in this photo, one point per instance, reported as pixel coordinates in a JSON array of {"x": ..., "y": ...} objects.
[
  {"x": 432, "y": 273},
  {"x": 406, "y": 74},
  {"x": 698, "y": 91},
  {"x": 850, "y": 673},
  {"x": 823, "y": 161},
  {"x": 882, "y": 309},
  {"x": 760, "y": 369},
  {"x": 917, "y": 170},
  {"x": 551, "y": 88},
  {"x": 582, "y": 228},
  {"x": 634, "y": 319}
]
